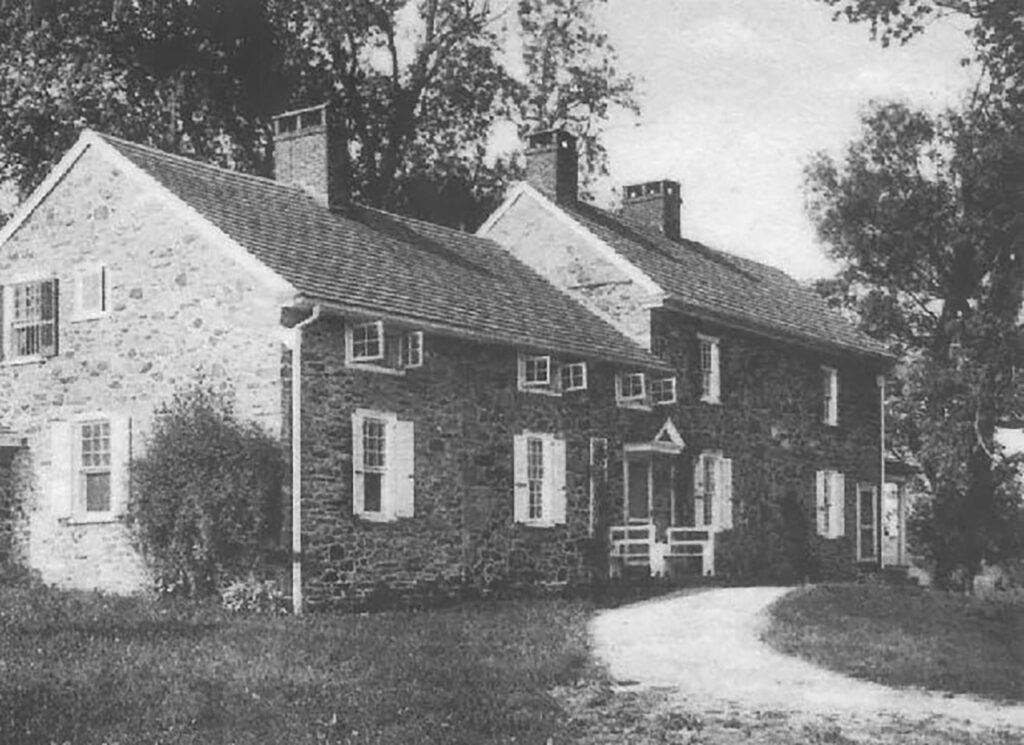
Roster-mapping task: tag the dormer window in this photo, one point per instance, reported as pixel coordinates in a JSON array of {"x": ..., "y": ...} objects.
[{"x": 631, "y": 389}]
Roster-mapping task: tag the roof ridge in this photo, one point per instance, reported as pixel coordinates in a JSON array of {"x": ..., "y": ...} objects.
[{"x": 184, "y": 159}]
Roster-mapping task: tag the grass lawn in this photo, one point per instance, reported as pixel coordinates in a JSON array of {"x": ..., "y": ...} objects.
[
  {"x": 87, "y": 669},
  {"x": 906, "y": 637}
]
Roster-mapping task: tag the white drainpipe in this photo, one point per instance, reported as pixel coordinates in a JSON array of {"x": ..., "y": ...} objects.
[
  {"x": 297, "y": 460},
  {"x": 881, "y": 484}
]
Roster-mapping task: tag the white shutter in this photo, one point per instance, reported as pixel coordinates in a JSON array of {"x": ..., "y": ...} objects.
[
  {"x": 556, "y": 480},
  {"x": 822, "y": 508},
  {"x": 725, "y": 493},
  {"x": 6, "y": 337},
  {"x": 62, "y": 469},
  {"x": 837, "y": 520},
  {"x": 120, "y": 462},
  {"x": 358, "y": 482},
  {"x": 402, "y": 468},
  {"x": 698, "y": 491},
  {"x": 521, "y": 489}
]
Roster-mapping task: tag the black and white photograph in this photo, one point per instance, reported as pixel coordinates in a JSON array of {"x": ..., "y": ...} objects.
[{"x": 477, "y": 372}]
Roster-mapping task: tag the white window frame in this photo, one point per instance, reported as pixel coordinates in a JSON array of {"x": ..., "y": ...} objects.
[
  {"x": 397, "y": 497},
  {"x": 549, "y": 387},
  {"x": 83, "y": 274},
  {"x": 10, "y": 326},
  {"x": 350, "y": 342},
  {"x": 67, "y": 472},
  {"x": 659, "y": 384},
  {"x": 635, "y": 400},
  {"x": 567, "y": 370},
  {"x": 553, "y": 480},
  {"x": 830, "y": 398},
  {"x": 830, "y": 503},
  {"x": 710, "y": 375},
  {"x": 411, "y": 351},
  {"x": 713, "y": 508}
]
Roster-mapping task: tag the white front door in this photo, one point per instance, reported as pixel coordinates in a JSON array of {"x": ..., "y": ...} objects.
[{"x": 894, "y": 525}]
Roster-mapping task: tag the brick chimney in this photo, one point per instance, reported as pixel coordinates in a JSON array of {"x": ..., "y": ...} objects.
[
  {"x": 310, "y": 151},
  {"x": 551, "y": 164},
  {"x": 656, "y": 204}
]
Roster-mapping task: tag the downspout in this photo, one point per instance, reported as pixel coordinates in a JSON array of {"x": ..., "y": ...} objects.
[
  {"x": 881, "y": 449},
  {"x": 297, "y": 460}
]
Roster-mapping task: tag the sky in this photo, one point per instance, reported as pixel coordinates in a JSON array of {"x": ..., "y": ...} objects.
[{"x": 738, "y": 94}]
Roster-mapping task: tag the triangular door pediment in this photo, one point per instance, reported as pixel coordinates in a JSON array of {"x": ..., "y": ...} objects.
[{"x": 669, "y": 435}]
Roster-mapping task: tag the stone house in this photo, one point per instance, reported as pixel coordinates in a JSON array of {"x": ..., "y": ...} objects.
[
  {"x": 441, "y": 401},
  {"x": 547, "y": 402},
  {"x": 777, "y": 453}
]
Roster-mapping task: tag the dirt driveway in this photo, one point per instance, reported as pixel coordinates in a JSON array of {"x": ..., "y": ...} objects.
[{"x": 706, "y": 646}]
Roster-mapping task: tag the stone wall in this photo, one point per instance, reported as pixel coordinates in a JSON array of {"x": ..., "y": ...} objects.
[
  {"x": 769, "y": 423},
  {"x": 466, "y": 408},
  {"x": 180, "y": 307}
]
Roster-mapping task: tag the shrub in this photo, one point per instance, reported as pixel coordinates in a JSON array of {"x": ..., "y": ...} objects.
[
  {"x": 254, "y": 595},
  {"x": 206, "y": 502}
]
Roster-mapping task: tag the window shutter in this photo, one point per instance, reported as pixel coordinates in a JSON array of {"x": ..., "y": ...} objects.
[
  {"x": 120, "y": 461},
  {"x": 50, "y": 299},
  {"x": 837, "y": 520},
  {"x": 521, "y": 490},
  {"x": 6, "y": 316},
  {"x": 403, "y": 468},
  {"x": 725, "y": 494},
  {"x": 358, "y": 492},
  {"x": 698, "y": 491},
  {"x": 62, "y": 469},
  {"x": 822, "y": 507},
  {"x": 556, "y": 479}
]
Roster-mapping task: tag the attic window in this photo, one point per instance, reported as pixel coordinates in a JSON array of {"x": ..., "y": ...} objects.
[
  {"x": 631, "y": 389},
  {"x": 367, "y": 342},
  {"x": 574, "y": 376},
  {"x": 536, "y": 371},
  {"x": 663, "y": 391}
]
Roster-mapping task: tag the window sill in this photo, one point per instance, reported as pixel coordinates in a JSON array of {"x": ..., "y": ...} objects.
[
  {"x": 666, "y": 403},
  {"x": 635, "y": 405},
  {"x": 102, "y": 518},
  {"x": 711, "y": 401},
  {"x": 830, "y": 425},
  {"x": 375, "y": 517},
  {"x": 371, "y": 367},
  {"x": 541, "y": 391},
  {"x": 537, "y": 523},
  {"x": 79, "y": 318},
  {"x": 15, "y": 361}
]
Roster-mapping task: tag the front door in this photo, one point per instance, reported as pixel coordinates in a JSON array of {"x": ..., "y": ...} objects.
[
  {"x": 867, "y": 522},
  {"x": 638, "y": 490},
  {"x": 893, "y": 525}
]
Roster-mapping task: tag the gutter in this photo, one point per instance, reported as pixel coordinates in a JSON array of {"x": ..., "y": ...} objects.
[{"x": 297, "y": 459}]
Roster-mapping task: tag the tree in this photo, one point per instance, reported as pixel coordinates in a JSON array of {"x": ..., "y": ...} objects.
[
  {"x": 417, "y": 85},
  {"x": 924, "y": 212}
]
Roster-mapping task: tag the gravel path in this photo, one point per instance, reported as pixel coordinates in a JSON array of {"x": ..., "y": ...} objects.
[{"x": 707, "y": 645}]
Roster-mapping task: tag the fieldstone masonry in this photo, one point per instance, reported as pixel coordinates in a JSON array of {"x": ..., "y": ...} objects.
[{"x": 179, "y": 308}]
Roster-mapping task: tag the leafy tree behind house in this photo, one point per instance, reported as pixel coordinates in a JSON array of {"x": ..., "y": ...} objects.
[
  {"x": 206, "y": 496},
  {"x": 418, "y": 85},
  {"x": 925, "y": 214}
]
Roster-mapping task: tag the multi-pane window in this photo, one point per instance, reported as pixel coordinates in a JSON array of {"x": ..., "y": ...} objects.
[
  {"x": 535, "y": 477},
  {"x": 710, "y": 367},
  {"x": 536, "y": 371},
  {"x": 713, "y": 491},
  {"x": 574, "y": 376},
  {"x": 367, "y": 341},
  {"x": 539, "y": 470},
  {"x": 374, "y": 463},
  {"x": 94, "y": 466},
  {"x": 32, "y": 321},
  {"x": 663, "y": 390},
  {"x": 831, "y": 499},
  {"x": 631, "y": 388},
  {"x": 412, "y": 349},
  {"x": 830, "y": 397}
]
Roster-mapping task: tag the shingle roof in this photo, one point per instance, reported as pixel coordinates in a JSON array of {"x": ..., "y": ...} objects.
[
  {"x": 726, "y": 287},
  {"x": 384, "y": 263}
]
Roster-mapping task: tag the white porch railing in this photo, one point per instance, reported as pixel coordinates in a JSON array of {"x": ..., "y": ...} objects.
[{"x": 635, "y": 546}]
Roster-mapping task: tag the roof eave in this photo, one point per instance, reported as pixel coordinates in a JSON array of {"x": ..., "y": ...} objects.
[
  {"x": 882, "y": 358},
  {"x": 446, "y": 328}
]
